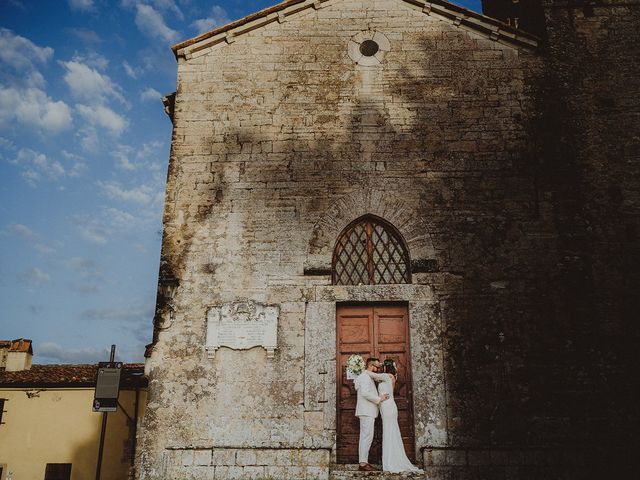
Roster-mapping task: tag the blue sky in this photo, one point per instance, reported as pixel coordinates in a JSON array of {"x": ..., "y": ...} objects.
[{"x": 84, "y": 145}]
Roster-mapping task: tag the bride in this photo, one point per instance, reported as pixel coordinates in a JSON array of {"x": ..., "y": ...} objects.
[{"x": 394, "y": 458}]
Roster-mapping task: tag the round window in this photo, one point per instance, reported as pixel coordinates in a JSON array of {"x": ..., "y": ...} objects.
[{"x": 369, "y": 48}]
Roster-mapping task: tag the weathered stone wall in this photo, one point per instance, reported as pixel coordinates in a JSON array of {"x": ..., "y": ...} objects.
[
  {"x": 590, "y": 172},
  {"x": 280, "y": 140}
]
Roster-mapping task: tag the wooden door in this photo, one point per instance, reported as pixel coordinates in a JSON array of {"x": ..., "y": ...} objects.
[{"x": 380, "y": 331}]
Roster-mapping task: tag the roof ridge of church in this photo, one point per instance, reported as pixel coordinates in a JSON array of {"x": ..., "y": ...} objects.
[{"x": 442, "y": 9}]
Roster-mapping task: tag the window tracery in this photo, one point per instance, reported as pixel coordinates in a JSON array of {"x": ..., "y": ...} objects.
[{"x": 370, "y": 251}]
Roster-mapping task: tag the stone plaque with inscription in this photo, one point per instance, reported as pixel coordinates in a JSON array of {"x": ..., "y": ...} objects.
[{"x": 241, "y": 326}]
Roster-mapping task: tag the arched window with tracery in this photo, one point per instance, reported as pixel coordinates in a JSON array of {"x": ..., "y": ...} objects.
[{"x": 370, "y": 251}]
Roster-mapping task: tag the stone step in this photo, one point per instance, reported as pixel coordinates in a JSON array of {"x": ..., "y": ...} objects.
[{"x": 351, "y": 472}]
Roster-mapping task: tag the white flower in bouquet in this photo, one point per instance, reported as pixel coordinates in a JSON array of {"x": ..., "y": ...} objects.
[{"x": 355, "y": 365}]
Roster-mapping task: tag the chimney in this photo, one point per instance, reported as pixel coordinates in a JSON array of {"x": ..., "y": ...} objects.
[{"x": 19, "y": 355}]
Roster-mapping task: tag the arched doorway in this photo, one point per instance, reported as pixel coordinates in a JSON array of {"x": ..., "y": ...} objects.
[{"x": 370, "y": 251}]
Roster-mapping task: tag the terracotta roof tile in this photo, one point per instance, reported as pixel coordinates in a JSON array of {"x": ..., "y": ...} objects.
[
  {"x": 18, "y": 345},
  {"x": 21, "y": 345},
  {"x": 69, "y": 376}
]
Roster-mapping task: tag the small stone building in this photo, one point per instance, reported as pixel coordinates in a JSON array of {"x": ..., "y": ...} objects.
[{"x": 410, "y": 180}]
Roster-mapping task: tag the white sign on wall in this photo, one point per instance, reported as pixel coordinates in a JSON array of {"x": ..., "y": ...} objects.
[{"x": 241, "y": 326}]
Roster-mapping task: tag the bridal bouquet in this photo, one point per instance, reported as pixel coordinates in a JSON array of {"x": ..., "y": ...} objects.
[{"x": 355, "y": 365}]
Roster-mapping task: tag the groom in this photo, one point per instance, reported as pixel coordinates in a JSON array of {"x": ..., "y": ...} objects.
[{"x": 367, "y": 409}]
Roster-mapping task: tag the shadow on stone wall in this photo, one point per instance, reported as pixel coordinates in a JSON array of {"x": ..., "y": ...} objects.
[{"x": 538, "y": 264}]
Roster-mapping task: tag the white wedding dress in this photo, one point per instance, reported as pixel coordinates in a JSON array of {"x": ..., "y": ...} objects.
[{"x": 394, "y": 458}]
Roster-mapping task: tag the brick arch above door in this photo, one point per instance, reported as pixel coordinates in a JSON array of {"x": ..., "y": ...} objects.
[{"x": 389, "y": 206}]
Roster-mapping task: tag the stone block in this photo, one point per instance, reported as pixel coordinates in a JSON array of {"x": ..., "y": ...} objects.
[
  {"x": 228, "y": 473},
  {"x": 313, "y": 421},
  {"x": 456, "y": 457},
  {"x": 223, "y": 456},
  {"x": 283, "y": 457},
  {"x": 202, "y": 457},
  {"x": 515, "y": 457},
  {"x": 276, "y": 471},
  {"x": 187, "y": 458},
  {"x": 266, "y": 457},
  {"x": 435, "y": 457},
  {"x": 296, "y": 457},
  {"x": 254, "y": 472},
  {"x": 175, "y": 471},
  {"x": 499, "y": 457},
  {"x": 314, "y": 457},
  {"x": 246, "y": 457},
  {"x": 317, "y": 473},
  {"x": 295, "y": 472},
  {"x": 200, "y": 473},
  {"x": 479, "y": 457}
]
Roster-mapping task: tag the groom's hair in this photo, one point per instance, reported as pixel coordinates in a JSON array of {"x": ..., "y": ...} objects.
[{"x": 370, "y": 360}]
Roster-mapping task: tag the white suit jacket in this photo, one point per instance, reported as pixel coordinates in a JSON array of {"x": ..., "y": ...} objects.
[{"x": 368, "y": 397}]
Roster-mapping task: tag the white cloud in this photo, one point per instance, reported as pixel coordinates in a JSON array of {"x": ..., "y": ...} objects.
[
  {"x": 32, "y": 237},
  {"x": 17, "y": 4},
  {"x": 21, "y": 54},
  {"x": 119, "y": 219},
  {"x": 98, "y": 227},
  {"x": 149, "y": 148},
  {"x": 142, "y": 194},
  {"x": 140, "y": 248},
  {"x": 89, "y": 140},
  {"x": 7, "y": 144},
  {"x": 131, "y": 71},
  {"x": 36, "y": 166},
  {"x": 22, "y": 230},
  {"x": 44, "y": 249},
  {"x": 135, "y": 313},
  {"x": 91, "y": 229},
  {"x": 83, "y": 5},
  {"x": 93, "y": 59},
  {"x": 22, "y": 101},
  {"x": 86, "y": 288},
  {"x": 102, "y": 117},
  {"x": 80, "y": 263},
  {"x": 217, "y": 18},
  {"x": 169, "y": 5},
  {"x": 150, "y": 94},
  {"x": 95, "y": 89},
  {"x": 79, "y": 165},
  {"x": 89, "y": 276},
  {"x": 90, "y": 85},
  {"x": 85, "y": 35},
  {"x": 151, "y": 23},
  {"x": 123, "y": 155},
  {"x": 128, "y": 158},
  {"x": 53, "y": 351},
  {"x": 78, "y": 169},
  {"x": 34, "y": 276},
  {"x": 164, "y": 5},
  {"x": 33, "y": 108}
]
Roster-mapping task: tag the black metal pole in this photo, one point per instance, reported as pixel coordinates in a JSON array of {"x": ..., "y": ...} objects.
[
  {"x": 135, "y": 432},
  {"x": 103, "y": 431}
]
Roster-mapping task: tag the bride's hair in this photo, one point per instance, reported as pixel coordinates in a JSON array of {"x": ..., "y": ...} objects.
[{"x": 390, "y": 367}]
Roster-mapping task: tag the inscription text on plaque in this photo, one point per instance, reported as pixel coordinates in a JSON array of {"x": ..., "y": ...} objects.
[{"x": 241, "y": 326}]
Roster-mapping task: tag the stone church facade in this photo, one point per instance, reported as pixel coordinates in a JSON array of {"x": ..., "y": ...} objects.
[{"x": 409, "y": 180}]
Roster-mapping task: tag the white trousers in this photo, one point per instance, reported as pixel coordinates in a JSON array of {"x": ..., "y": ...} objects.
[{"x": 366, "y": 437}]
